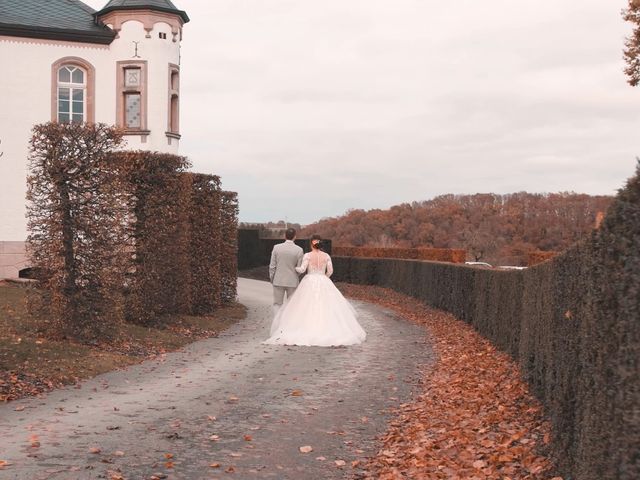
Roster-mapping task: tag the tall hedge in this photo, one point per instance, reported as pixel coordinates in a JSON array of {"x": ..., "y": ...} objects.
[
  {"x": 573, "y": 324},
  {"x": 205, "y": 217},
  {"x": 76, "y": 215},
  {"x": 159, "y": 196},
  {"x": 229, "y": 246},
  {"x": 115, "y": 232}
]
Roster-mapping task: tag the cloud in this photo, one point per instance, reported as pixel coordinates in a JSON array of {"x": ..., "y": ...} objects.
[{"x": 309, "y": 109}]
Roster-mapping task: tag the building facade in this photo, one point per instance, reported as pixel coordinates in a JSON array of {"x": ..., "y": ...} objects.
[{"x": 65, "y": 62}]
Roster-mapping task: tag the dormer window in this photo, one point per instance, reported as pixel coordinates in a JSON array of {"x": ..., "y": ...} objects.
[{"x": 162, "y": 35}]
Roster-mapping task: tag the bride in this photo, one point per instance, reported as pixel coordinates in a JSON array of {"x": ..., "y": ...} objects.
[{"x": 317, "y": 314}]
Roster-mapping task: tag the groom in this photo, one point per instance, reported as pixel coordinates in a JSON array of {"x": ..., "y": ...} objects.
[{"x": 285, "y": 257}]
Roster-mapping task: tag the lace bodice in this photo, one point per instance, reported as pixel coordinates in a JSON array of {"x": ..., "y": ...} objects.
[{"x": 316, "y": 263}]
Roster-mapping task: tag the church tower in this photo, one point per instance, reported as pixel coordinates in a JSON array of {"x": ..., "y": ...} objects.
[{"x": 146, "y": 53}]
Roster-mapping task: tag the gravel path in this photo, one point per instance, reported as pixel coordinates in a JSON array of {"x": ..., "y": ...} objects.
[{"x": 229, "y": 401}]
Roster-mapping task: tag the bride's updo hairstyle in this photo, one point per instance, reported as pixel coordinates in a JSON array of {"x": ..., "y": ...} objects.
[{"x": 316, "y": 242}]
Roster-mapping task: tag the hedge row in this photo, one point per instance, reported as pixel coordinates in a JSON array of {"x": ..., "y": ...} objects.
[
  {"x": 572, "y": 324},
  {"x": 159, "y": 201},
  {"x": 115, "y": 232},
  {"x": 206, "y": 222},
  {"x": 229, "y": 246},
  {"x": 432, "y": 254},
  {"x": 76, "y": 216}
]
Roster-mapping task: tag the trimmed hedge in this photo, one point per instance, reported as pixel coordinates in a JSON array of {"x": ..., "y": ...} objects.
[
  {"x": 76, "y": 215},
  {"x": 572, "y": 323},
  {"x": 115, "y": 233},
  {"x": 229, "y": 246},
  {"x": 249, "y": 249},
  {"x": 159, "y": 201},
  {"x": 205, "y": 215},
  {"x": 433, "y": 254}
]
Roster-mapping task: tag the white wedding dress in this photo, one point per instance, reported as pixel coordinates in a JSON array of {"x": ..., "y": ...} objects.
[{"x": 317, "y": 313}]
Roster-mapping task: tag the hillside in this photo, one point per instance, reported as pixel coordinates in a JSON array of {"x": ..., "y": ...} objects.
[{"x": 500, "y": 229}]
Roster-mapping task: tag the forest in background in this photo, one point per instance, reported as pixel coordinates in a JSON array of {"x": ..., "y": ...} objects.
[{"x": 499, "y": 229}]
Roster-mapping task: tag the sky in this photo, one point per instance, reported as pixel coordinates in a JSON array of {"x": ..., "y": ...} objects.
[{"x": 309, "y": 109}]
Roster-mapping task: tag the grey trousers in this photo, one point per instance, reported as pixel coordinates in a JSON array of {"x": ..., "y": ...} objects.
[{"x": 278, "y": 294}]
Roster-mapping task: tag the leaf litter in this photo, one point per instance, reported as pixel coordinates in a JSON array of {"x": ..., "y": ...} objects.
[{"x": 473, "y": 418}]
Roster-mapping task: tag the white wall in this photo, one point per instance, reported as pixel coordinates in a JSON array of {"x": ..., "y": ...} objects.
[
  {"x": 25, "y": 100},
  {"x": 159, "y": 53}
]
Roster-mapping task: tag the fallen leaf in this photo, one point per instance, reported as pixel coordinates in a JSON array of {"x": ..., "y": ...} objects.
[
  {"x": 340, "y": 463},
  {"x": 297, "y": 393},
  {"x": 479, "y": 464},
  {"x": 306, "y": 449},
  {"x": 214, "y": 465},
  {"x": 248, "y": 438},
  {"x": 94, "y": 450},
  {"x": 168, "y": 455}
]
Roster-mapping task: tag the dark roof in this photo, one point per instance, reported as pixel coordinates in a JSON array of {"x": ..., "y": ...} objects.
[
  {"x": 157, "y": 5},
  {"x": 53, "y": 19}
]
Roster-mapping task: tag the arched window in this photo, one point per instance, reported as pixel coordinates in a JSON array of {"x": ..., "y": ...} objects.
[
  {"x": 72, "y": 94},
  {"x": 72, "y": 90}
]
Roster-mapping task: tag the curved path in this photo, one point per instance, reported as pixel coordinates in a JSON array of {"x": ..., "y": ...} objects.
[{"x": 227, "y": 400}]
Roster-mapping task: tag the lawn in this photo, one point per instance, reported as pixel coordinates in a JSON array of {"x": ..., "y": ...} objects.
[{"x": 31, "y": 363}]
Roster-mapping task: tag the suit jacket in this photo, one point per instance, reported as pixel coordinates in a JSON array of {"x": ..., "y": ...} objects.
[{"x": 285, "y": 257}]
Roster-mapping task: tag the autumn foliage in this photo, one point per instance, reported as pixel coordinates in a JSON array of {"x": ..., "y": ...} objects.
[
  {"x": 76, "y": 217},
  {"x": 159, "y": 200},
  {"x": 229, "y": 246},
  {"x": 123, "y": 232},
  {"x": 432, "y": 254},
  {"x": 534, "y": 258},
  {"x": 499, "y": 229},
  {"x": 474, "y": 416}
]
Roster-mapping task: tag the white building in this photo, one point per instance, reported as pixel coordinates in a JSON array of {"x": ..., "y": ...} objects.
[{"x": 63, "y": 61}]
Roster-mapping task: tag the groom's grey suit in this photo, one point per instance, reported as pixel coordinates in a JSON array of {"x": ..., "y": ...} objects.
[{"x": 285, "y": 257}]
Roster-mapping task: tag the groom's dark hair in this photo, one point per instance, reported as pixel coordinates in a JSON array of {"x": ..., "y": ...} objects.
[{"x": 290, "y": 234}]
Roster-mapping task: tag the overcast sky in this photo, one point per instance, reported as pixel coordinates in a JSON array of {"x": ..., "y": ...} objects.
[{"x": 309, "y": 109}]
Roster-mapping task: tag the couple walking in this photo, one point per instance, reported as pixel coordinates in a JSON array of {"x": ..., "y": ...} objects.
[{"x": 317, "y": 314}]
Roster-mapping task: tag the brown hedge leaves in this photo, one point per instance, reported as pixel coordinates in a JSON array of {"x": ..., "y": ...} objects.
[
  {"x": 76, "y": 217},
  {"x": 123, "y": 231},
  {"x": 474, "y": 419}
]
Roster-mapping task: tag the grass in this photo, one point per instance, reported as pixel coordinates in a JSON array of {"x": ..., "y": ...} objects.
[{"x": 31, "y": 363}]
